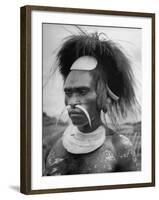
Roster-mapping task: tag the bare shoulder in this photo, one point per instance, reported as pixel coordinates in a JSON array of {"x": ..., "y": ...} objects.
[
  {"x": 125, "y": 153},
  {"x": 122, "y": 143}
]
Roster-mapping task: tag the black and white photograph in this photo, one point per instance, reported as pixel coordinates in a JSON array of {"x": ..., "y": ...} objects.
[
  {"x": 87, "y": 117},
  {"x": 91, "y": 99}
]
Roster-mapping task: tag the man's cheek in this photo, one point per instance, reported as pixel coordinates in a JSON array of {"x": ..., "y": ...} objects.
[
  {"x": 90, "y": 98},
  {"x": 92, "y": 106},
  {"x": 88, "y": 108},
  {"x": 91, "y": 101}
]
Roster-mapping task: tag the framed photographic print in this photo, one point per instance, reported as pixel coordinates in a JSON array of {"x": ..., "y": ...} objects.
[{"x": 87, "y": 99}]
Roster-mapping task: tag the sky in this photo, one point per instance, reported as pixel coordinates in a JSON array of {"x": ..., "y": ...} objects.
[{"x": 53, "y": 36}]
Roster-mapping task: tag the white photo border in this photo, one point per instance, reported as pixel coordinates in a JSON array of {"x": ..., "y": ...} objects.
[{"x": 38, "y": 182}]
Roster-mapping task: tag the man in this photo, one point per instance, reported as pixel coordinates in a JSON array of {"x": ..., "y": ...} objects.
[{"x": 97, "y": 81}]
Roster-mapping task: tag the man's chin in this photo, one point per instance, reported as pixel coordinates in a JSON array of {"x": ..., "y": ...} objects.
[{"x": 79, "y": 124}]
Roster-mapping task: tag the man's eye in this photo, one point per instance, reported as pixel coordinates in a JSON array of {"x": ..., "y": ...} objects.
[
  {"x": 83, "y": 92},
  {"x": 68, "y": 94}
]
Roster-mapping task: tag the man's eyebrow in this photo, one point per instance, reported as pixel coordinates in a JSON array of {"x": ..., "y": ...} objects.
[
  {"x": 67, "y": 89},
  {"x": 77, "y": 88}
]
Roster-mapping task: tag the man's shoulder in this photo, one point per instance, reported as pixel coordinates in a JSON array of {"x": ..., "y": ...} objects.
[
  {"x": 124, "y": 151},
  {"x": 58, "y": 148},
  {"x": 55, "y": 157},
  {"x": 119, "y": 141}
]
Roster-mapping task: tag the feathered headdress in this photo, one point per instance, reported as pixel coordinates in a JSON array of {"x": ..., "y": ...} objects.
[{"x": 113, "y": 65}]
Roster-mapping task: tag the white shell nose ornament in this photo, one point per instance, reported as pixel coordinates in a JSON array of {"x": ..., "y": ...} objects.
[{"x": 84, "y": 110}]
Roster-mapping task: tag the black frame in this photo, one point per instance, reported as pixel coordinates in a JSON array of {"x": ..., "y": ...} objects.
[{"x": 25, "y": 185}]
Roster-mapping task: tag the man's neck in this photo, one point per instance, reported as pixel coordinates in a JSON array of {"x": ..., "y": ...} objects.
[{"x": 87, "y": 129}]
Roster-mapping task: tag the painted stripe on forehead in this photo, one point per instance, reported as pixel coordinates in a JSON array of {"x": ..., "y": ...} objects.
[{"x": 84, "y": 63}]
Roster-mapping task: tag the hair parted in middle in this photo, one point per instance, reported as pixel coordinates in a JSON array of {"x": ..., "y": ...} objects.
[{"x": 113, "y": 69}]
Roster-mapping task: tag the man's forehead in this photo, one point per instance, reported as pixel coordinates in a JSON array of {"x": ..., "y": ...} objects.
[{"x": 79, "y": 78}]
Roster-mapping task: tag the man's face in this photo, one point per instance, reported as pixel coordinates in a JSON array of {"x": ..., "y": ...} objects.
[{"x": 80, "y": 90}]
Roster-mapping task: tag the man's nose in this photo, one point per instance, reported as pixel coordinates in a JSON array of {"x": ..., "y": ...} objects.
[{"x": 74, "y": 100}]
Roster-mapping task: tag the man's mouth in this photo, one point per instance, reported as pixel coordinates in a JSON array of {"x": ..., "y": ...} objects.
[
  {"x": 74, "y": 113},
  {"x": 78, "y": 112}
]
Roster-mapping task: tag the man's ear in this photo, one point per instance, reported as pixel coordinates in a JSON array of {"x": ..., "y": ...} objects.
[
  {"x": 103, "y": 100},
  {"x": 108, "y": 101},
  {"x": 106, "y": 104}
]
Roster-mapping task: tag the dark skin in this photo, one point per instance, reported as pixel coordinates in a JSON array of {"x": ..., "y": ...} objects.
[
  {"x": 115, "y": 155},
  {"x": 80, "y": 90}
]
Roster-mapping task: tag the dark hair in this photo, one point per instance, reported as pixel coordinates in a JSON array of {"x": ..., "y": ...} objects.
[{"x": 113, "y": 69}]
